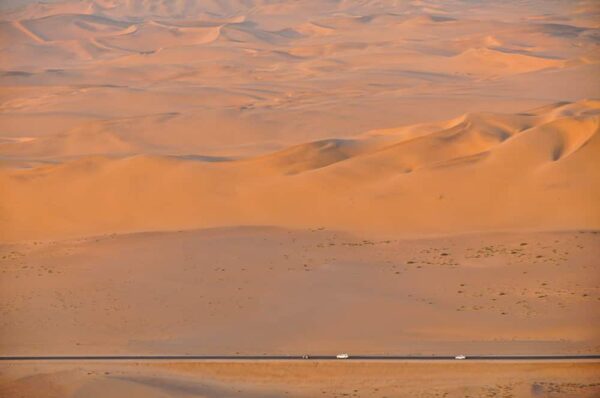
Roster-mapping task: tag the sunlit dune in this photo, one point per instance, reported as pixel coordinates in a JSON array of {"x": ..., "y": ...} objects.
[{"x": 445, "y": 181}]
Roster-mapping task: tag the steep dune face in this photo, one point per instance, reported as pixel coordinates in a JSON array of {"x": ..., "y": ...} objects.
[
  {"x": 482, "y": 61},
  {"x": 536, "y": 170}
]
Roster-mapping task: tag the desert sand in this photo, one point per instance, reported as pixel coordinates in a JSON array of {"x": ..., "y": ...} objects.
[
  {"x": 297, "y": 292},
  {"x": 445, "y": 181},
  {"x": 309, "y": 379},
  {"x": 405, "y": 118},
  {"x": 287, "y": 177}
]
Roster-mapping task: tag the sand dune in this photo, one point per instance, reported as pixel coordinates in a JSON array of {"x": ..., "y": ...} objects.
[
  {"x": 482, "y": 60},
  {"x": 386, "y": 117},
  {"x": 444, "y": 181},
  {"x": 296, "y": 72},
  {"x": 68, "y": 26}
]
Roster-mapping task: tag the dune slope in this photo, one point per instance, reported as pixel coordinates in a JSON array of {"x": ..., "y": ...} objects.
[{"x": 535, "y": 170}]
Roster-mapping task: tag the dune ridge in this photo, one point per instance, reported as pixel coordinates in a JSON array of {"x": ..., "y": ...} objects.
[
  {"x": 381, "y": 116},
  {"x": 286, "y": 72},
  {"x": 481, "y": 171}
]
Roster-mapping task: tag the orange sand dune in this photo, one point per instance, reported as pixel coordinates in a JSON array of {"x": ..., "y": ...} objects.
[
  {"x": 536, "y": 170},
  {"x": 122, "y": 116},
  {"x": 249, "y": 77}
]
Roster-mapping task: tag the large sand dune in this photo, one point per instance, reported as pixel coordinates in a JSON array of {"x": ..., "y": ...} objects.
[{"x": 535, "y": 170}]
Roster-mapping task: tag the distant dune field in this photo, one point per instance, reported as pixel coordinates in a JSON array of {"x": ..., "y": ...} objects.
[{"x": 384, "y": 117}]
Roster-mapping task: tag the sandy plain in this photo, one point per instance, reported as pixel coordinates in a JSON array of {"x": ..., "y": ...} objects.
[
  {"x": 315, "y": 379},
  {"x": 293, "y": 292}
]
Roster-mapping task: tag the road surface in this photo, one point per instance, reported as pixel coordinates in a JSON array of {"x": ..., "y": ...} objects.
[{"x": 298, "y": 358}]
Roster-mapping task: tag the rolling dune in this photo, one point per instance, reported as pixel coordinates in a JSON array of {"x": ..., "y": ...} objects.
[
  {"x": 276, "y": 74},
  {"x": 444, "y": 181}
]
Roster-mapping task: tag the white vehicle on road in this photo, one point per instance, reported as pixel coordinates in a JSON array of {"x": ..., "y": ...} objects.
[
  {"x": 342, "y": 356},
  {"x": 460, "y": 357}
]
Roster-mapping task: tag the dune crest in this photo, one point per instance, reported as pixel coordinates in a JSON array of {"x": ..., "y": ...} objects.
[{"x": 477, "y": 172}]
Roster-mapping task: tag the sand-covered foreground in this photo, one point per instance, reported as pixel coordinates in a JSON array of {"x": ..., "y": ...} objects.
[{"x": 310, "y": 379}]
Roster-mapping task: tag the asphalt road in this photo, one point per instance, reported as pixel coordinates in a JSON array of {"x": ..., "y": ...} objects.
[{"x": 297, "y": 358}]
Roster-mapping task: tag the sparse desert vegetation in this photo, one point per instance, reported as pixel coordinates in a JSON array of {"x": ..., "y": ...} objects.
[{"x": 66, "y": 294}]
